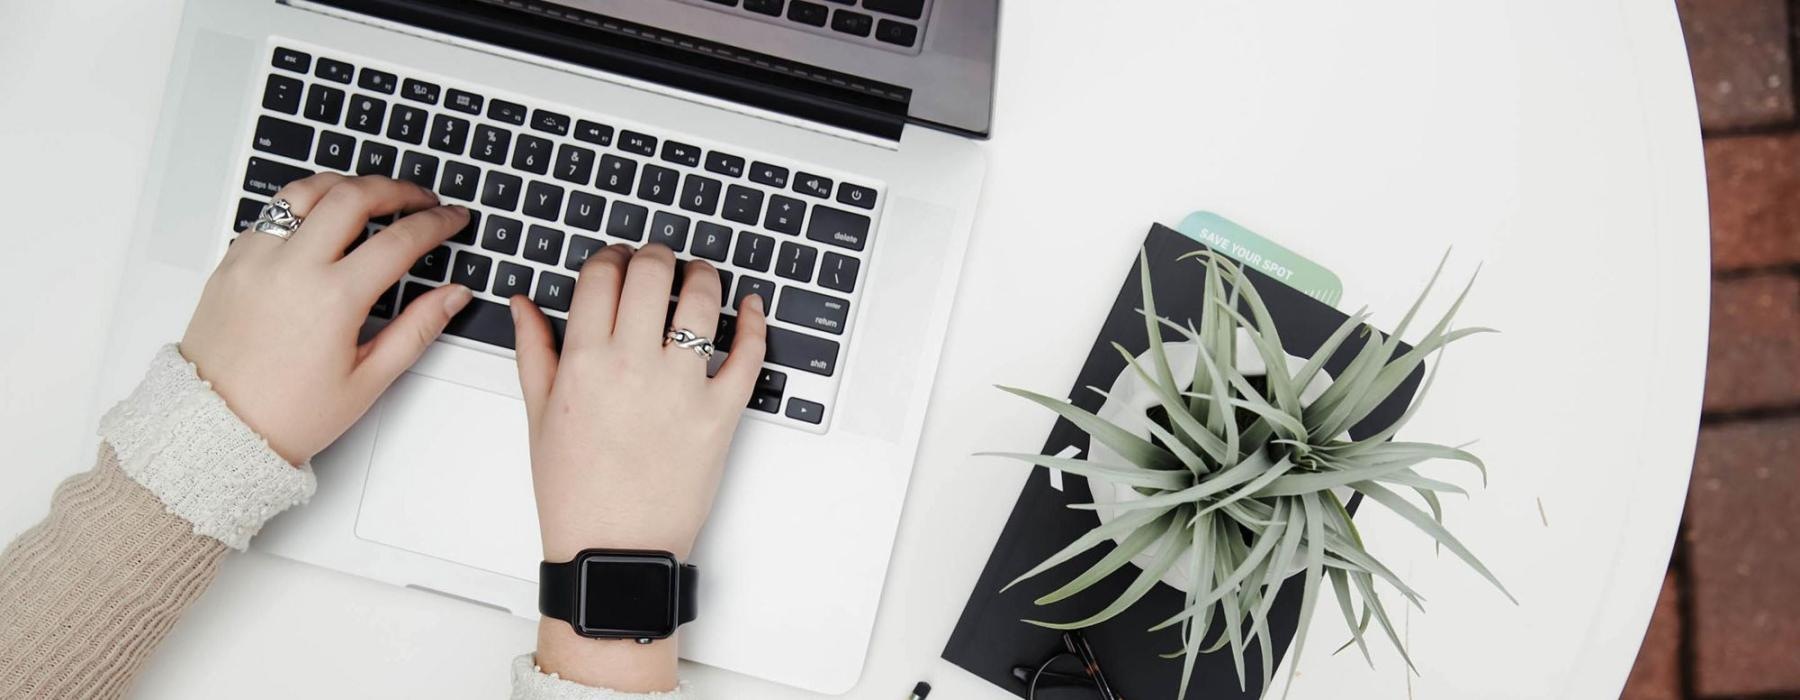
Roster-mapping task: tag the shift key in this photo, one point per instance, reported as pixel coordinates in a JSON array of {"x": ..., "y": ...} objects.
[
  {"x": 801, "y": 351},
  {"x": 813, "y": 310}
]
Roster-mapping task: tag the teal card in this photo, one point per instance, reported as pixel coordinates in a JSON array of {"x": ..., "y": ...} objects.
[{"x": 1263, "y": 255}]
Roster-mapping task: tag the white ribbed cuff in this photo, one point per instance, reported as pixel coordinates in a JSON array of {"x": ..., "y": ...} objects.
[
  {"x": 529, "y": 682},
  {"x": 176, "y": 437}
]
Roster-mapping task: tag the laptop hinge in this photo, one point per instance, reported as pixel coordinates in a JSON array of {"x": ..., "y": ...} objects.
[{"x": 658, "y": 56}]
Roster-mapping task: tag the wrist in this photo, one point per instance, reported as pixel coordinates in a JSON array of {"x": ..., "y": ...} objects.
[
  {"x": 563, "y": 545},
  {"x": 623, "y": 665}
]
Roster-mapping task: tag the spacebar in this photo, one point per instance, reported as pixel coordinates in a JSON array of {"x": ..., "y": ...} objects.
[{"x": 492, "y": 323}]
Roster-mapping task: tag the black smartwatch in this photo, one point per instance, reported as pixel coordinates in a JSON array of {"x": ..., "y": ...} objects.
[{"x": 619, "y": 593}]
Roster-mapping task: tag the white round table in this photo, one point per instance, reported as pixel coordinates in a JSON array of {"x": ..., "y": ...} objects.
[{"x": 1553, "y": 143}]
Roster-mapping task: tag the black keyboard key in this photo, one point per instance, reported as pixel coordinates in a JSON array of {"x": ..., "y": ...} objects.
[
  {"x": 899, "y": 33},
  {"x": 838, "y": 227},
  {"x": 484, "y": 321},
  {"x": 856, "y": 196},
  {"x": 658, "y": 184},
  {"x": 700, "y": 194},
  {"x": 387, "y": 304},
  {"x": 407, "y": 124},
  {"x": 460, "y": 181},
  {"x": 727, "y": 332},
  {"x": 512, "y": 279},
  {"x": 471, "y": 270},
  {"x": 543, "y": 244},
  {"x": 771, "y": 8},
  {"x": 366, "y": 114},
  {"x": 248, "y": 211},
  {"x": 419, "y": 91},
  {"x": 501, "y": 190},
  {"x": 795, "y": 261},
  {"x": 801, "y": 351},
  {"x": 771, "y": 175},
  {"x": 634, "y": 142},
  {"x": 532, "y": 154},
  {"x": 711, "y": 241},
  {"x": 754, "y": 251},
  {"x": 509, "y": 112},
  {"x": 670, "y": 230},
  {"x": 725, "y": 164},
  {"x": 491, "y": 144},
  {"x": 743, "y": 204},
  {"x": 336, "y": 151},
  {"x": 466, "y": 234},
  {"x": 554, "y": 291},
  {"x": 544, "y": 201},
  {"x": 434, "y": 266},
  {"x": 550, "y": 122},
  {"x": 334, "y": 70},
  {"x": 291, "y": 60},
  {"x": 748, "y": 285},
  {"x": 839, "y": 272},
  {"x": 593, "y": 132},
  {"x": 627, "y": 221},
  {"x": 616, "y": 174},
  {"x": 580, "y": 249},
  {"x": 852, "y": 23},
  {"x": 377, "y": 159},
  {"x": 462, "y": 101},
  {"x": 379, "y": 81},
  {"x": 584, "y": 211},
  {"x": 412, "y": 291},
  {"x": 419, "y": 169},
  {"x": 283, "y": 138},
  {"x": 808, "y": 183},
  {"x": 784, "y": 214},
  {"x": 501, "y": 235},
  {"x": 910, "y": 9},
  {"x": 724, "y": 283},
  {"x": 813, "y": 310},
  {"x": 806, "y": 411},
  {"x": 282, "y": 94},
  {"x": 574, "y": 164},
  {"x": 809, "y": 13},
  {"x": 762, "y": 401},
  {"x": 449, "y": 134},
  {"x": 266, "y": 177},
  {"x": 771, "y": 380},
  {"x": 681, "y": 153},
  {"x": 324, "y": 103}
]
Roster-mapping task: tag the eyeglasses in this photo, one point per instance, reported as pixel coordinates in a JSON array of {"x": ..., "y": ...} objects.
[{"x": 1069, "y": 674}]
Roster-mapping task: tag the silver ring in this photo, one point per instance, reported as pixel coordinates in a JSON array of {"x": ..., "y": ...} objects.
[
  {"x": 277, "y": 219},
  {"x": 683, "y": 337}
]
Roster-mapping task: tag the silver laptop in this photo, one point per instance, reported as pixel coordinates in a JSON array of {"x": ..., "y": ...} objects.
[{"x": 824, "y": 155}]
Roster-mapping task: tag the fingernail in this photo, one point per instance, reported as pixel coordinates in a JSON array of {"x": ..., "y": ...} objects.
[
  {"x": 457, "y": 299},
  {"x": 756, "y": 302},
  {"x": 515, "y": 311}
]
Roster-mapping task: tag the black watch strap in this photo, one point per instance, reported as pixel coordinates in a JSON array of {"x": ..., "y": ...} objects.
[{"x": 559, "y": 587}]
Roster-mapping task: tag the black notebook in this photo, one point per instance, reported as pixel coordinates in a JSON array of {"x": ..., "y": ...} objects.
[{"x": 990, "y": 639}]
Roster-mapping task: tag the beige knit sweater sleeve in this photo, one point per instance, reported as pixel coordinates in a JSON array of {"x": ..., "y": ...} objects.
[{"x": 88, "y": 594}]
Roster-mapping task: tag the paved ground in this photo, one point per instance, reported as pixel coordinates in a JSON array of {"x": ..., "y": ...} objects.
[{"x": 1728, "y": 622}]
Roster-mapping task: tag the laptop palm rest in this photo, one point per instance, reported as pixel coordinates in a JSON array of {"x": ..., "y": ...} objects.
[{"x": 450, "y": 477}]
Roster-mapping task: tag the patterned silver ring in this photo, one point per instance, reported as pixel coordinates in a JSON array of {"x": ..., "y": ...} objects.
[
  {"x": 683, "y": 337},
  {"x": 277, "y": 219}
]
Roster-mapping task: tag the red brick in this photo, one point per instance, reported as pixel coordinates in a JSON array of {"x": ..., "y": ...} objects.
[
  {"x": 1753, "y": 183},
  {"x": 1657, "y": 674},
  {"x": 1738, "y": 50},
  {"x": 1753, "y": 351},
  {"x": 1743, "y": 558}
]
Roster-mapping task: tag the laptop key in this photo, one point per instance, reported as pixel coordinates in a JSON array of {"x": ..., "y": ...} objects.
[
  {"x": 700, "y": 194},
  {"x": 407, "y": 124},
  {"x": 754, "y": 252},
  {"x": 532, "y": 154},
  {"x": 801, "y": 351},
  {"x": 550, "y": 122},
  {"x": 580, "y": 249},
  {"x": 463, "y": 101},
  {"x": 839, "y": 272},
  {"x": 899, "y": 33},
  {"x": 910, "y": 9},
  {"x": 771, "y": 8},
  {"x": 554, "y": 291},
  {"x": 805, "y": 411},
  {"x": 543, "y": 200},
  {"x": 670, "y": 230},
  {"x": 283, "y": 138},
  {"x": 856, "y": 196},
  {"x": 838, "y": 227},
  {"x": 584, "y": 210},
  {"x": 574, "y": 164},
  {"x": 658, "y": 184},
  {"x": 376, "y": 159},
  {"x": 771, "y": 380},
  {"x": 543, "y": 244},
  {"x": 764, "y": 401},
  {"x": 466, "y": 235},
  {"x": 366, "y": 114},
  {"x": 471, "y": 270},
  {"x": 711, "y": 241},
  {"x": 634, "y": 142},
  {"x": 813, "y": 310},
  {"x": 748, "y": 285},
  {"x": 324, "y": 103},
  {"x": 266, "y": 177},
  {"x": 282, "y": 94},
  {"x": 291, "y": 60},
  {"x": 771, "y": 175},
  {"x": 852, "y": 23},
  {"x": 379, "y": 81},
  {"x": 334, "y": 71},
  {"x": 419, "y": 169},
  {"x": 419, "y": 91},
  {"x": 593, "y": 132},
  {"x": 784, "y": 214},
  {"x": 460, "y": 181},
  {"x": 512, "y": 279},
  {"x": 501, "y": 190},
  {"x": 491, "y": 144},
  {"x": 681, "y": 153},
  {"x": 627, "y": 221},
  {"x": 743, "y": 204},
  {"x": 248, "y": 211},
  {"x": 616, "y": 174},
  {"x": 509, "y": 112},
  {"x": 336, "y": 151},
  {"x": 795, "y": 261},
  {"x": 808, "y": 183},
  {"x": 434, "y": 265},
  {"x": 449, "y": 134},
  {"x": 483, "y": 321},
  {"x": 809, "y": 13},
  {"x": 502, "y": 235}
]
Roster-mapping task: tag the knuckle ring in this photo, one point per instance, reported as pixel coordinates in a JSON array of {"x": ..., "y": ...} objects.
[
  {"x": 277, "y": 219},
  {"x": 683, "y": 337}
]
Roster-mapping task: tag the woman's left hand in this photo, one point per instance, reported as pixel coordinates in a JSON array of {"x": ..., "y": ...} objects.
[{"x": 276, "y": 328}]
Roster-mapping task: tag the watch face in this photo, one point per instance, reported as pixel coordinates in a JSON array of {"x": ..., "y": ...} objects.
[{"x": 630, "y": 595}]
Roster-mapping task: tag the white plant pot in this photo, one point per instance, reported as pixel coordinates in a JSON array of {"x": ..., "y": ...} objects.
[{"x": 1129, "y": 400}]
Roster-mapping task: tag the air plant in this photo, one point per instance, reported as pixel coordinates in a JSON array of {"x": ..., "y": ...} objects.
[{"x": 1241, "y": 483}]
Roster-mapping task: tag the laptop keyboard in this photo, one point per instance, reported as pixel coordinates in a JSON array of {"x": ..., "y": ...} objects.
[
  {"x": 895, "y": 25},
  {"x": 547, "y": 187}
]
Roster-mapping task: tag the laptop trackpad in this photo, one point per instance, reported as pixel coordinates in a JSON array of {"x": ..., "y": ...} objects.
[{"x": 450, "y": 477}]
